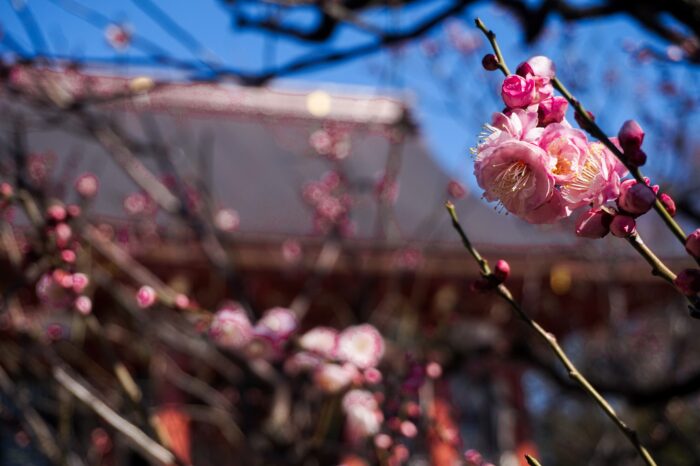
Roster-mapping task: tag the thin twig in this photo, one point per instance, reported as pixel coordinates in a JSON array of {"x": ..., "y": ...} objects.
[{"x": 551, "y": 341}]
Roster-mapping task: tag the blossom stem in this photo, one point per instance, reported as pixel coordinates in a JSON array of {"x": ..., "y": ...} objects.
[
  {"x": 491, "y": 36},
  {"x": 551, "y": 341},
  {"x": 658, "y": 267}
]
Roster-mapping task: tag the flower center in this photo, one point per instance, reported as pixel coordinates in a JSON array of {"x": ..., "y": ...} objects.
[
  {"x": 587, "y": 174},
  {"x": 511, "y": 180},
  {"x": 556, "y": 149}
]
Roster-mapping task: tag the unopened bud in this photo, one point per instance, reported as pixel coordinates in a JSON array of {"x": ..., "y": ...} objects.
[
  {"x": 56, "y": 212},
  {"x": 490, "y": 62},
  {"x": 501, "y": 271},
  {"x": 692, "y": 244},
  {"x": 635, "y": 198},
  {"x": 669, "y": 204},
  {"x": 688, "y": 282},
  {"x": 636, "y": 157},
  {"x": 623, "y": 226},
  {"x": 631, "y": 136},
  {"x": 594, "y": 223},
  {"x": 145, "y": 297}
]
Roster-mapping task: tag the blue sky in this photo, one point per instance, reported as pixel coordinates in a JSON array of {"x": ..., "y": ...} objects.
[{"x": 452, "y": 94}]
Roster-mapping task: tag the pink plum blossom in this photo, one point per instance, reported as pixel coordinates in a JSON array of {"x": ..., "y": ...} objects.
[
  {"x": 231, "y": 328},
  {"x": 567, "y": 148},
  {"x": 277, "y": 323},
  {"x": 363, "y": 417},
  {"x": 332, "y": 378},
  {"x": 518, "y": 92},
  {"x": 361, "y": 345},
  {"x": 514, "y": 173},
  {"x": 146, "y": 297},
  {"x": 86, "y": 185},
  {"x": 301, "y": 362},
  {"x": 320, "y": 340},
  {"x": 539, "y": 66},
  {"x": 597, "y": 180},
  {"x": 83, "y": 305},
  {"x": 519, "y": 124},
  {"x": 80, "y": 282},
  {"x": 227, "y": 220}
]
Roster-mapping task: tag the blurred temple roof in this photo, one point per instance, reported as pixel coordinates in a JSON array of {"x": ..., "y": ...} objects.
[{"x": 256, "y": 150}]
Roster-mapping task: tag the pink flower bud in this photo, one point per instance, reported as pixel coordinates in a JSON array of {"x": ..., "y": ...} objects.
[
  {"x": 623, "y": 226},
  {"x": 631, "y": 136},
  {"x": 517, "y": 91},
  {"x": 6, "y": 190},
  {"x": 456, "y": 190},
  {"x": 635, "y": 198},
  {"x": 688, "y": 282},
  {"x": 636, "y": 158},
  {"x": 552, "y": 110},
  {"x": 56, "y": 213},
  {"x": 473, "y": 458},
  {"x": 63, "y": 233},
  {"x": 80, "y": 282},
  {"x": 68, "y": 256},
  {"x": 372, "y": 376},
  {"x": 668, "y": 203},
  {"x": 490, "y": 62},
  {"x": 382, "y": 441},
  {"x": 692, "y": 243},
  {"x": 145, "y": 297},
  {"x": 231, "y": 328},
  {"x": 320, "y": 340},
  {"x": 433, "y": 370},
  {"x": 594, "y": 223},
  {"x": 277, "y": 324},
  {"x": 332, "y": 378},
  {"x": 408, "y": 429},
  {"x": 86, "y": 185},
  {"x": 83, "y": 305},
  {"x": 524, "y": 70},
  {"x": 501, "y": 270},
  {"x": 182, "y": 301}
]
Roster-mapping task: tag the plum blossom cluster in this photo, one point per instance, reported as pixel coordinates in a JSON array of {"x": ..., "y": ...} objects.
[
  {"x": 63, "y": 286},
  {"x": 331, "y": 204},
  {"x": 533, "y": 162},
  {"x": 267, "y": 338},
  {"x": 538, "y": 167},
  {"x": 332, "y": 141},
  {"x": 339, "y": 360}
]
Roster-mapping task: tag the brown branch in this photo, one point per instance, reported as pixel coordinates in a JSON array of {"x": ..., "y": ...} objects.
[{"x": 550, "y": 340}]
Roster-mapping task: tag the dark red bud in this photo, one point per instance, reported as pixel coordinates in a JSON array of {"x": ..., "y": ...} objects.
[
  {"x": 524, "y": 69},
  {"x": 490, "y": 62},
  {"x": 636, "y": 158},
  {"x": 688, "y": 282}
]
